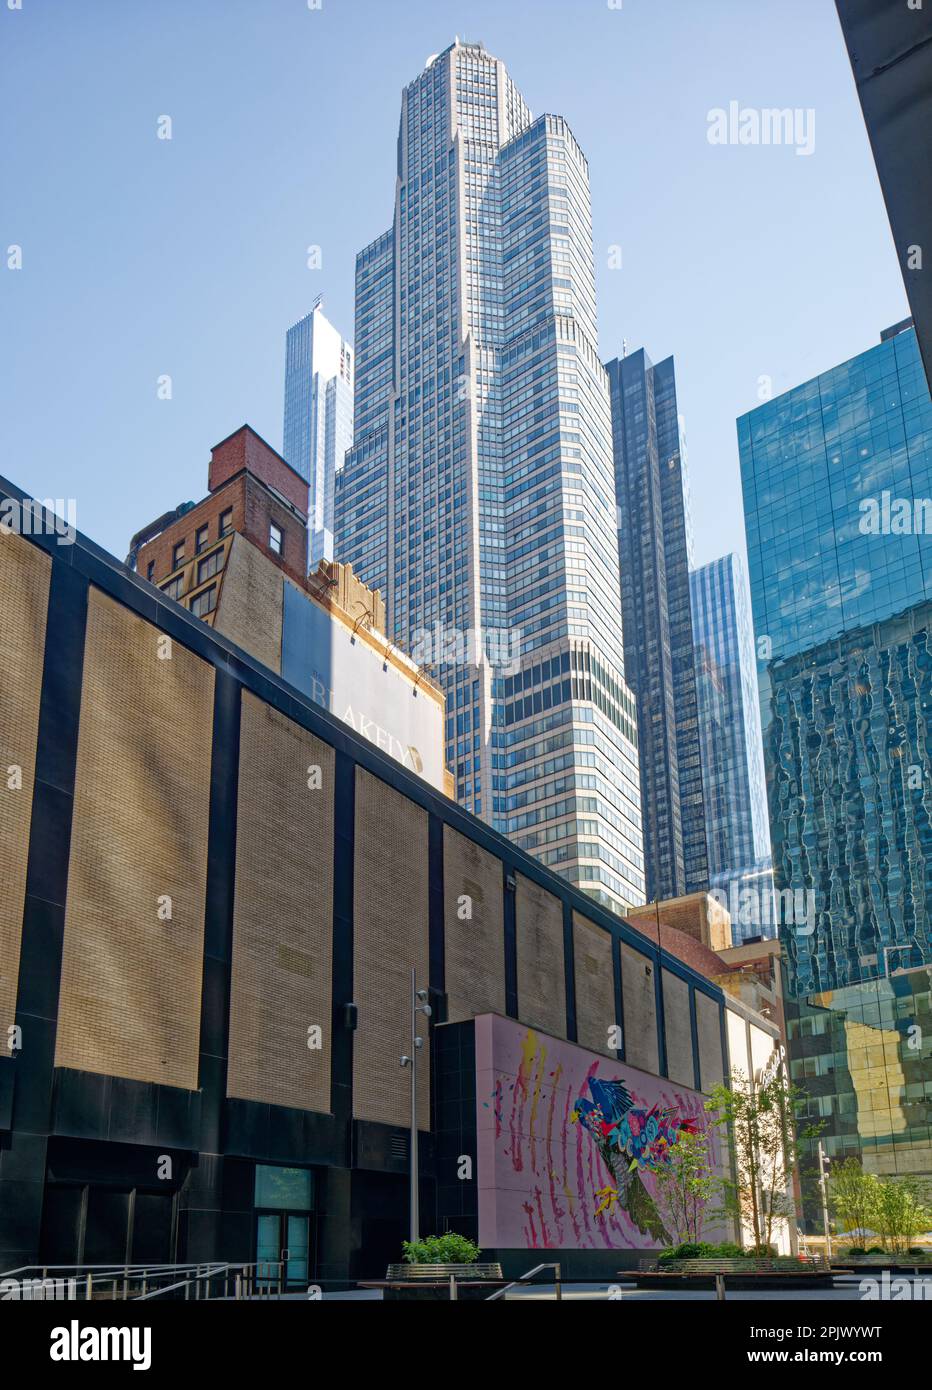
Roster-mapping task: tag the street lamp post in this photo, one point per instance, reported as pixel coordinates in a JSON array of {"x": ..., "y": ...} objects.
[
  {"x": 823, "y": 1167},
  {"x": 419, "y": 1005}
]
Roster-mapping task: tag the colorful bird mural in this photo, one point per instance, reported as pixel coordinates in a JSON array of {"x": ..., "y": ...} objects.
[{"x": 630, "y": 1140}]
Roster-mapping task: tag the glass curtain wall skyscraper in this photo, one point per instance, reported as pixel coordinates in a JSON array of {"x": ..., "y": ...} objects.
[
  {"x": 318, "y": 426},
  {"x": 654, "y": 547},
  {"x": 479, "y": 494},
  {"x": 735, "y": 792},
  {"x": 837, "y": 481}
]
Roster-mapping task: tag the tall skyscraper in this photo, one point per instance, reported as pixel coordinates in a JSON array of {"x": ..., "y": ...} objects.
[
  {"x": 318, "y": 417},
  {"x": 890, "y": 47},
  {"x": 479, "y": 494},
  {"x": 654, "y": 552},
  {"x": 734, "y": 790},
  {"x": 837, "y": 481}
]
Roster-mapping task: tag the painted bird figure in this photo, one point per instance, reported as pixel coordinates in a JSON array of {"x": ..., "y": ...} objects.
[{"x": 628, "y": 1139}]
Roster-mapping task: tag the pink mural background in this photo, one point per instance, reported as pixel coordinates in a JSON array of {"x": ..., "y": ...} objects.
[{"x": 549, "y": 1178}]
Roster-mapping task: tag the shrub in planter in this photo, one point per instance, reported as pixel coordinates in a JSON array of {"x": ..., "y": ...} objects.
[
  {"x": 702, "y": 1250},
  {"x": 876, "y": 1250},
  {"x": 856, "y": 1250},
  {"x": 687, "y": 1250},
  {"x": 448, "y": 1249}
]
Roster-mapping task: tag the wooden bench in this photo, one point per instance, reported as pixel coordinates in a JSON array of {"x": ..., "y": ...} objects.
[
  {"x": 783, "y": 1270},
  {"x": 432, "y": 1282}
]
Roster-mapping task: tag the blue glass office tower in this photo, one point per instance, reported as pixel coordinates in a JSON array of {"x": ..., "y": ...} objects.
[
  {"x": 654, "y": 551},
  {"x": 734, "y": 790},
  {"x": 834, "y": 475},
  {"x": 318, "y": 426},
  {"x": 479, "y": 494}
]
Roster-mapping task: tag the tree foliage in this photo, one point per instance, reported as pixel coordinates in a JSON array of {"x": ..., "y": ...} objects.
[
  {"x": 684, "y": 1183},
  {"x": 758, "y": 1121},
  {"x": 896, "y": 1208}
]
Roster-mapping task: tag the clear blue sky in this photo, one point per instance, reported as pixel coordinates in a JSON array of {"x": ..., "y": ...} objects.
[{"x": 187, "y": 257}]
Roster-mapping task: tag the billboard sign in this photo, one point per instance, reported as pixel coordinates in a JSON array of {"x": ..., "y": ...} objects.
[{"x": 348, "y": 675}]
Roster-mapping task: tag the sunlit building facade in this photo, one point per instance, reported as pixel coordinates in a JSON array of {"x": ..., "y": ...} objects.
[
  {"x": 479, "y": 493},
  {"x": 318, "y": 427}
]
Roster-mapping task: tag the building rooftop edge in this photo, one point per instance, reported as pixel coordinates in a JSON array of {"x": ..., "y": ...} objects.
[{"x": 147, "y": 606}]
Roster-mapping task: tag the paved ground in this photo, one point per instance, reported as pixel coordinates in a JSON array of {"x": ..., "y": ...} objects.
[{"x": 846, "y": 1290}]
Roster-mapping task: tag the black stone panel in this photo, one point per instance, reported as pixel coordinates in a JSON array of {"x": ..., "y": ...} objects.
[{"x": 279, "y": 1134}]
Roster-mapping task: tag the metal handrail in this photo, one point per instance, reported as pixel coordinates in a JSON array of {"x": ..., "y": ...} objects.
[
  {"x": 500, "y": 1293},
  {"x": 202, "y": 1272},
  {"x": 49, "y": 1283},
  {"x": 41, "y": 1282},
  {"x": 245, "y": 1277},
  {"x": 81, "y": 1268}
]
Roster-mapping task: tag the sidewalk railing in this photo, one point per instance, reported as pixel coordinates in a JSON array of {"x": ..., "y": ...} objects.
[
  {"x": 526, "y": 1278},
  {"x": 119, "y": 1283}
]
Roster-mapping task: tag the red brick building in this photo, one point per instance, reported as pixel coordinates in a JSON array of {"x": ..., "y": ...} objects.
[{"x": 254, "y": 493}]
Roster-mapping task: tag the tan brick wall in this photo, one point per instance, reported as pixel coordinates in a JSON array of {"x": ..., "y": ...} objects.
[
  {"x": 131, "y": 983},
  {"x": 474, "y": 947},
  {"x": 390, "y": 916},
  {"x": 637, "y": 992},
  {"x": 708, "y": 1026},
  {"x": 24, "y": 598},
  {"x": 541, "y": 977},
  {"x": 678, "y": 1029},
  {"x": 249, "y": 609},
  {"x": 595, "y": 985},
  {"x": 283, "y": 914},
  {"x": 698, "y": 915}
]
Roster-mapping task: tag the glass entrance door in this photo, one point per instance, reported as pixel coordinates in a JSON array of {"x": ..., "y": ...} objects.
[
  {"x": 297, "y": 1232},
  {"x": 284, "y": 1201},
  {"x": 283, "y": 1237}
]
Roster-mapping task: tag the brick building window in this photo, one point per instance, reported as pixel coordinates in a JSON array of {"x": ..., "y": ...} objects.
[
  {"x": 209, "y": 566},
  {"x": 275, "y": 538},
  {"x": 226, "y": 521},
  {"x": 173, "y": 588},
  {"x": 150, "y": 570},
  {"x": 177, "y": 554},
  {"x": 204, "y": 603},
  {"x": 200, "y": 539}
]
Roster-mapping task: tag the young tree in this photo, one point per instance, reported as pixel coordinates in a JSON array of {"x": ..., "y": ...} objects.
[
  {"x": 901, "y": 1212},
  {"x": 758, "y": 1122},
  {"x": 853, "y": 1196},
  {"x": 685, "y": 1181}
]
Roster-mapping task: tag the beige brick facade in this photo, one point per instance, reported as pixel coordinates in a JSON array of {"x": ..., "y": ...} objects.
[
  {"x": 390, "y": 910},
  {"x": 249, "y": 609},
  {"x": 283, "y": 915},
  {"x": 640, "y": 1007},
  {"x": 24, "y": 597},
  {"x": 474, "y": 950},
  {"x": 709, "y": 1028},
  {"x": 131, "y": 977},
  {"x": 677, "y": 1029},
  {"x": 541, "y": 975},
  {"x": 595, "y": 985}
]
